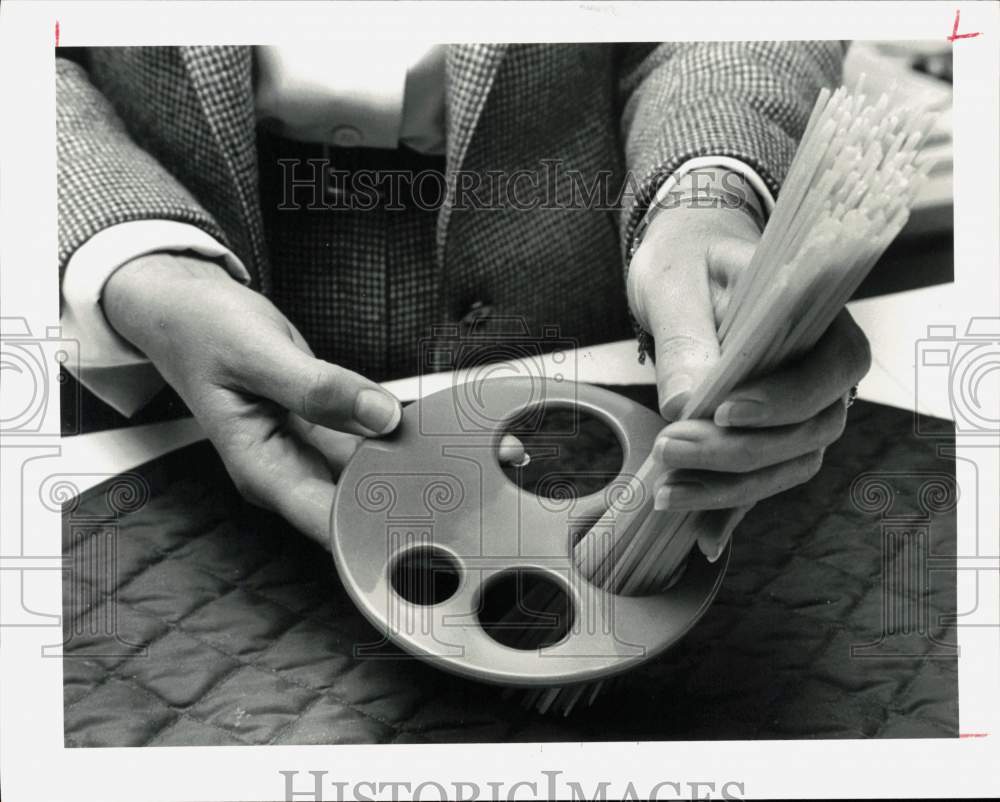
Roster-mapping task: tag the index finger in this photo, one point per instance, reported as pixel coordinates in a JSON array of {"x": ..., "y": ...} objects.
[
  {"x": 275, "y": 469},
  {"x": 800, "y": 391}
]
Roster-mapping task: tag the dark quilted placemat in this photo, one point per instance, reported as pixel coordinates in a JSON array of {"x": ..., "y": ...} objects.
[{"x": 192, "y": 618}]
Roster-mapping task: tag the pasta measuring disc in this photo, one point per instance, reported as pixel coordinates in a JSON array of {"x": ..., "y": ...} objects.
[{"x": 425, "y": 527}]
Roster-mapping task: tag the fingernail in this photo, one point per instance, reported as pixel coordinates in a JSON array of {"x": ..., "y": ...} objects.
[
  {"x": 674, "y": 451},
  {"x": 677, "y": 495},
  {"x": 672, "y": 404},
  {"x": 686, "y": 430},
  {"x": 740, "y": 413},
  {"x": 720, "y": 547},
  {"x": 708, "y": 547},
  {"x": 377, "y": 411}
]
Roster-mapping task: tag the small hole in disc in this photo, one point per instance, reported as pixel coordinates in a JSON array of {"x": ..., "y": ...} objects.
[
  {"x": 425, "y": 575},
  {"x": 525, "y": 609}
]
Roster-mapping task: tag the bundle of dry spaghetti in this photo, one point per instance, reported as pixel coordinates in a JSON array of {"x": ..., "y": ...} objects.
[{"x": 845, "y": 198}]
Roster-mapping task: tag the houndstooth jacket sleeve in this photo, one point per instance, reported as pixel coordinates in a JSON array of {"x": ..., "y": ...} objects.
[
  {"x": 104, "y": 178},
  {"x": 746, "y": 100}
]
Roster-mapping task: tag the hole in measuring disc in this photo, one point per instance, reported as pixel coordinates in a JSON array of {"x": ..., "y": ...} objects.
[
  {"x": 425, "y": 575},
  {"x": 570, "y": 452},
  {"x": 525, "y": 609}
]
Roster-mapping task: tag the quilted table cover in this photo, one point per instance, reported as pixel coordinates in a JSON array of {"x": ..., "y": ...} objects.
[{"x": 192, "y": 618}]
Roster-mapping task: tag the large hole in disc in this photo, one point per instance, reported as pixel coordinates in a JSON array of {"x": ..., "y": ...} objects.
[
  {"x": 525, "y": 609},
  {"x": 571, "y": 453},
  {"x": 425, "y": 575}
]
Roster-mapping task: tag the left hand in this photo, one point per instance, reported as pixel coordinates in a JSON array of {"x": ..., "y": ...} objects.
[{"x": 770, "y": 433}]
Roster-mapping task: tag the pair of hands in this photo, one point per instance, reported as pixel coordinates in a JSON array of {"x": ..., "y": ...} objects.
[{"x": 285, "y": 423}]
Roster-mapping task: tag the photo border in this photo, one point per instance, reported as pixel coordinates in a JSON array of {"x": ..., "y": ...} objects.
[{"x": 34, "y": 764}]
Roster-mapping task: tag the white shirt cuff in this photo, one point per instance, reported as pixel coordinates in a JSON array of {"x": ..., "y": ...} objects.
[
  {"x": 735, "y": 165},
  {"x": 109, "y": 366}
]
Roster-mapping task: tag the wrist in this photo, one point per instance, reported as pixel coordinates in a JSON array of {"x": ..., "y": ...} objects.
[
  {"x": 709, "y": 190},
  {"x": 138, "y": 298}
]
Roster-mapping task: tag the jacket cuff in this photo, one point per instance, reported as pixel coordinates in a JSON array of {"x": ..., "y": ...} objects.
[{"x": 751, "y": 176}]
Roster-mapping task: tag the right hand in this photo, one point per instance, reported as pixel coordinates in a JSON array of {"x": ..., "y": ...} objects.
[{"x": 284, "y": 422}]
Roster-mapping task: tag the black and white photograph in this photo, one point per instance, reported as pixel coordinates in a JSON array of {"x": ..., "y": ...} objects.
[{"x": 420, "y": 401}]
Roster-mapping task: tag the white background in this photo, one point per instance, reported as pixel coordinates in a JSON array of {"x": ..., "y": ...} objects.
[{"x": 34, "y": 763}]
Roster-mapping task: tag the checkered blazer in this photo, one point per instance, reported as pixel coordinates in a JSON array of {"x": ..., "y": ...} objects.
[{"x": 169, "y": 133}]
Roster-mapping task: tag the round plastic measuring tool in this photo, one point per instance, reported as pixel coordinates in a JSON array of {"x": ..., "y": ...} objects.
[{"x": 433, "y": 498}]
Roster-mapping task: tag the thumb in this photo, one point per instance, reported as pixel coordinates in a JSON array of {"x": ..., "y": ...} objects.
[
  {"x": 318, "y": 391},
  {"x": 681, "y": 318}
]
